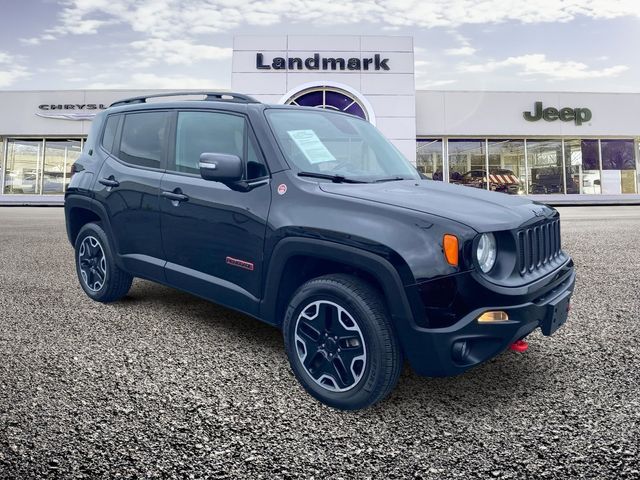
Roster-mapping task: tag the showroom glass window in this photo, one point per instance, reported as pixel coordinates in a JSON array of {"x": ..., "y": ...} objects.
[
  {"x": 22, "y": 170},
  {"x": 544, "y": 158},
  {"x": 507, "y": 166},
  {"x": 467, "y": 162},
  {"x": 59, "y": 155},
  {"x": 143, "y": 138},
  {"x": 429, "y": 158},
  {"x": 582, "y": 164},
  {"x": 618, "y": 167}
]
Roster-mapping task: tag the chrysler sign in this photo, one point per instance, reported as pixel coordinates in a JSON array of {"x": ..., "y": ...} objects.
[
  {"x": 70, "y": 111},
  {"x": 316, "y": 62}
]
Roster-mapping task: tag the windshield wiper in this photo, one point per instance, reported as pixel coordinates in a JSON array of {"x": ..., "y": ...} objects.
[
  {"x": 390, "y": 179},
  {"x": 333, "y": 178}
]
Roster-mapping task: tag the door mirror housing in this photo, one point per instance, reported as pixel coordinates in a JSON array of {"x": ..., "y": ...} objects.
[{"x": 221, "y": 167}]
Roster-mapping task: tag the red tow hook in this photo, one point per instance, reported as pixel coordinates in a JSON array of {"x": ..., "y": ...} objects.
[{"x": 519, "y": 346}]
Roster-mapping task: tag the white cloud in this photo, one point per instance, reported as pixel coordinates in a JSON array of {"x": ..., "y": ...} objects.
[
  {"x": 173, "y": 18},
  {"x": 538, "y": 65},
  {"x": 172, "y": 31},
  {"x": 422, "y": 67},
  {"x": 464, "y": 48},
  {"x": 178, "y": 52},
  {"x": 10, "y": 70},
  {"x": 66, "y": 61},
  {"x": 30, "y": 41},
  {"x": 153, "y": 81},
  {"x": 461, "y": 51},
  {"x": 10, "y": 76},
  {"x": 434, "y": 83}
]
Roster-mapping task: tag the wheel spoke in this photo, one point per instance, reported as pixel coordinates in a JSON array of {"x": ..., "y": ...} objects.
[
  {"x": 337, "y": 321},
  {"x": 308, "y": 331},
  {"x": 315, "y": 363},
  {"x": 351, "y": 358},
  {"x": 325, "y": 371},
  {"x": 92, "y": 247},
  {"x": 98, "y": 276},
  {"x": 328, "y": 313},
  {"x": 90, "y": 278},
  {"x": 342, "y": 372}
]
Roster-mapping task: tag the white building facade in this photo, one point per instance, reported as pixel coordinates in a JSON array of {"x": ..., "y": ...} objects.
[{"x": 559, "y": 147}]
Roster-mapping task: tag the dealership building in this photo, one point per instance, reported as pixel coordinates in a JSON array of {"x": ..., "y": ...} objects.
[{"x": 557, "y": 147}]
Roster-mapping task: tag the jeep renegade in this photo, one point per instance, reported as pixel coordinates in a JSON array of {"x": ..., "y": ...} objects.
[{"x": 311, "y": 221}]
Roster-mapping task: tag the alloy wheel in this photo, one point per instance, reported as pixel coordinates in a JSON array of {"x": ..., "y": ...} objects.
[
  {"x": 92, "y": 263},
  {"x": 330, "y": 346}
]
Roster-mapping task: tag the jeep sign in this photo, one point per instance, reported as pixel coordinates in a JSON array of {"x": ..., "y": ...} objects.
[{"x": 551, "y": 114}]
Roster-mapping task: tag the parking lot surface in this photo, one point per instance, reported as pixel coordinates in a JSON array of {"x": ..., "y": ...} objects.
[{"x": 165, "y": 385}]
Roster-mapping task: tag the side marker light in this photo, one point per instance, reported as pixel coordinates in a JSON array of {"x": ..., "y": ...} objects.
[{"x": 450, "y": 246}]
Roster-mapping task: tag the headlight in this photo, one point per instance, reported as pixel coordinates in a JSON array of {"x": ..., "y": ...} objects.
[{"x": 486, "y": 252}]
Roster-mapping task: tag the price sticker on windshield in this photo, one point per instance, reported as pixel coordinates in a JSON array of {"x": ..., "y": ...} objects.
[{"x": 312, "y": 147}]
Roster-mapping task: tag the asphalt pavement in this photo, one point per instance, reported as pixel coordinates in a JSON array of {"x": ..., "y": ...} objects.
[{"x": 165, "y": 385}]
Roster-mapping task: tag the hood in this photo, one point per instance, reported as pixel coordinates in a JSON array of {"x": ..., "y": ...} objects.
[{"x": 479, "y": 209}]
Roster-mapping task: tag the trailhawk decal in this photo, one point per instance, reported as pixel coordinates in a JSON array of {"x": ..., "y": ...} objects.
[{"x": 236, "y": 262}]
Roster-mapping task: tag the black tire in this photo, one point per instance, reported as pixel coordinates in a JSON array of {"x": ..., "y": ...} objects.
[
  {"x": 111, "y": 283},
  {"x": 373, "y": 370}
]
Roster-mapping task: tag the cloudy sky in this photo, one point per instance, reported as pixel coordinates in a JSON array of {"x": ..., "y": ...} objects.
[{"x": 579, "y": 45}]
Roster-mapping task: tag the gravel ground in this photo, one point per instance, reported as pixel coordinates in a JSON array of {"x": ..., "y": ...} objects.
[{"x": 166, "y": 385}]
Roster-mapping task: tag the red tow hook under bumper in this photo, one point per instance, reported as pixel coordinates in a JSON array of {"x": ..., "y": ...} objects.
[{"x": 519, "y": 346}]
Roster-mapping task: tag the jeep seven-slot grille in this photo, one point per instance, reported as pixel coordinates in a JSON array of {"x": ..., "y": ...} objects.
[{"x": 538, "y": 245}]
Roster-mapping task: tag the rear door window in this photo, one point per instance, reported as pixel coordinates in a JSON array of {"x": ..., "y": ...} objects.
[{"x": 144, "y": 139}]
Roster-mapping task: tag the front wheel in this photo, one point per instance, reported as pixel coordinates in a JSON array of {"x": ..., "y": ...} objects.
[
  {"x": 99, "y": 276},
  {"x": 340, "y": 342}
]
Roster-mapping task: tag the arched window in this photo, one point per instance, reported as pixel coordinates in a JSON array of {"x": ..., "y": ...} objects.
[{"x": 330, "y": 98}]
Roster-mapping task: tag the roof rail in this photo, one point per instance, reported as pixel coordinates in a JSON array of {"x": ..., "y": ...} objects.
[{"x": 210, "y": 96}]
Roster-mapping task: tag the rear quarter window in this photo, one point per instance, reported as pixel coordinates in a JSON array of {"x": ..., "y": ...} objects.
[{"x": 109, "y": 134}]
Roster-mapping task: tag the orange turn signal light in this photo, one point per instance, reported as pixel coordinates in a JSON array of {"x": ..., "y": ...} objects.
[
  {"x": 450, "y": 245},
  {"x": 493, "y": 316}
]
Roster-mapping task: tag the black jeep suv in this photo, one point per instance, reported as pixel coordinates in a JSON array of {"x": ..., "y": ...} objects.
[{"x": 311, "y": 221}]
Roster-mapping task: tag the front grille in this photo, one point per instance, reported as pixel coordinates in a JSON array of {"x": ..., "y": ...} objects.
[{"x": 538, "y": 245}]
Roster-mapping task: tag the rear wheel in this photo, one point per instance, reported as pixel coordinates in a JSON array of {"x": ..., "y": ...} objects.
[
  {"x": 99, "y": 276},
  {"x": 340, "y": 342}
]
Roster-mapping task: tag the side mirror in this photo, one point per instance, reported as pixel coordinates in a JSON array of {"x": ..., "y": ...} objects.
[{"x": 221, "y": 167}]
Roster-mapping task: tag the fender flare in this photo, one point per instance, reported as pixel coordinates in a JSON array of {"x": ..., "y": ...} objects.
[
  {"x": 375, "y": 265},
  {"x": 87, "y": 203}
]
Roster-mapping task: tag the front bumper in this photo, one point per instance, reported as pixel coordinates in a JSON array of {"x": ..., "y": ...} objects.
[{"x": 466, "y": 343}]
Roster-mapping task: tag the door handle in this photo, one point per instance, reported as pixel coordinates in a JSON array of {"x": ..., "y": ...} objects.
[
  {"x": 175, "y": 197},
  {"x": 109, "y": 182}
]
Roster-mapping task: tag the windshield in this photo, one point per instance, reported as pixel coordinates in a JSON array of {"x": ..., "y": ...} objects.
[{"x": 333, "y": 144}]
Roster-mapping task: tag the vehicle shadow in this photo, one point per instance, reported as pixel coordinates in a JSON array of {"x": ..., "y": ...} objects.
[
  {"x": 183, "y": 306},
  {"x": 506, "y": 380}
]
